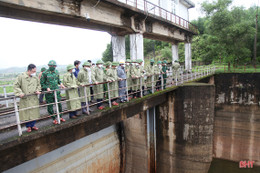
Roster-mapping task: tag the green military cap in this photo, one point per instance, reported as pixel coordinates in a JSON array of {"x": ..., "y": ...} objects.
[
  {"x": 86, "y": 64},
  {"x": 152, "y": 60},
  {"x": 43, "y": 69},
  {"x": 114, "y": 63},
  {"x": 108, "y": 63},
  {"x": 128, "y": 60},
  {"x": 159, "y": 62},
  {"x": 99, "y": 62},
  {"x": 52, "y": 62},
  {"x": 165, "y": 62},
  {"x": 70, "y": 66}
]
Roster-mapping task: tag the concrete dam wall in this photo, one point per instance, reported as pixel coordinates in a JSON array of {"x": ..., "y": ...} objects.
[
  {"x": 237, "y": 117},
  {"x": 179, "y": 130}
]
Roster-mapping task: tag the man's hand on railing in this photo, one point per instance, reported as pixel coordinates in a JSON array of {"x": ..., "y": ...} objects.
[
  {"x": 21, "y": 95},
  {"x": 48, "y": 89},
  {"x": 62, "y": 86},
  {"x": 38, "y": 92}
]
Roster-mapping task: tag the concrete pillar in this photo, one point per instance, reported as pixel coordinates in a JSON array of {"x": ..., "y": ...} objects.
[
  {"x": 136, "y": 46},
  {"x": 118, "y": 47},
  {"x": 188, "y": 63},
  {"x": 175, "y": 52}
]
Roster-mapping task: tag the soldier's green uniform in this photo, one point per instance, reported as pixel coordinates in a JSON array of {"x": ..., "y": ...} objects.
[
  {"x": 128, "y": 75},
  {"x": 158, "y": 71},
  {"x": 112, "y": 76},
  {"x": 150, "y": 70},
  {"x": 70, "y": 81},
  {"x": 164, "y": 70},
  {"x": 107, "y": 68},
  {"x": 84, "y": 78},
  {"x": 175, "y": 69},
  {"x": 24, "y": 84},
  {"x": 51, "y": 79},
  {"x": 136, "y": 74},
  {"x": 98, "y": 76}
]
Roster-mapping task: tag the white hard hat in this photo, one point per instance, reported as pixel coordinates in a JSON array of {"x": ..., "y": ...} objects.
[{"x": 121, "y": 62}]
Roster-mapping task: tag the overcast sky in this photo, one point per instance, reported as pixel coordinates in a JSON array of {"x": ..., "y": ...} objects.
[{"x": 24, "y": 42}]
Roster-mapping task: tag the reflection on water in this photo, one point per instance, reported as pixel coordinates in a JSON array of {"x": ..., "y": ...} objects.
[{"x": 225, "y": 166}]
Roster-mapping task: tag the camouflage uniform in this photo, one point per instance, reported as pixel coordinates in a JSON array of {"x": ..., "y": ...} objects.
[{"x": 51, "y": 79}]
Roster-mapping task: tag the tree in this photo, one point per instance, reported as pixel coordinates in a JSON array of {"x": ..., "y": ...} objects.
[{"x": 108, "y": 53}]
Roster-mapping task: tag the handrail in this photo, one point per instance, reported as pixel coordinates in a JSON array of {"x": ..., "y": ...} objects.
[
  {"x": 151, "y": 8},
  {"x": 179, "y": 74}
]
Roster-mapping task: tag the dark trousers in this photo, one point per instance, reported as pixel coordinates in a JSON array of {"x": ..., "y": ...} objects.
[
  {"x": 72, "y": 113},
  {"x": 158, "y": 84},
  {"x": 30, "y": 124},
  {"x": 41, "y": 98},
  {"x": 99, "y": 104}
]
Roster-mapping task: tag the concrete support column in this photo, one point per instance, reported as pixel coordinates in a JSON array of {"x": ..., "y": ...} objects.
[
  {"x": 175, "y": 52},
  {"x": 118, "y": 47},
  {"x": 188, "y": 63},
  {"x": 136, "y": 46}
]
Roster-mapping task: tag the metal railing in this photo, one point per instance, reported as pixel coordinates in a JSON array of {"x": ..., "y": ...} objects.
[
  {"x": 174, "y": 78},
  {"x": 156, "y": 10}
]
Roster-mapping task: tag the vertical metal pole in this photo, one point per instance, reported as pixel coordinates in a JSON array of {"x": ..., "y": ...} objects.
[
  {"x": 86, "y": 99},
  {"x": 182, "y": 77},
  {"x": 153, "y": 83},
  {"x": 17, "y": 118},
  {"x": 57, "y": 107},
  {"x": 127, "y": 96},
  {"x": 176, "y": 77},
  {"x": 5, "y": 95},
  {"x": 109, "y": 99},
  {"x": 161, "y": 81},
  {"x": 141, "y": 88}
]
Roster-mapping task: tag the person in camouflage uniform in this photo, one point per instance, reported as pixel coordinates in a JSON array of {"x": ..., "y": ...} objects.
[
  {"x": 165, "y": 72},
  {"x": 150, "y": 71},
  {"x": 84, "y": 78},
  {"x": 142, "y": 71},
  {"x": 50, "y": 80},
  {"x": 72, "y": 95},
  {"x": 112, "y": 76}
]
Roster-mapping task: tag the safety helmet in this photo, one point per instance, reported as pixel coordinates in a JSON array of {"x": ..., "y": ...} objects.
[
  {"x": 70, "y": 66},
  {"x": 52, "y": 62}
]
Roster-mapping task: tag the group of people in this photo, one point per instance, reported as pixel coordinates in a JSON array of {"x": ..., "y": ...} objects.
[{"x": 89, "y": 84}]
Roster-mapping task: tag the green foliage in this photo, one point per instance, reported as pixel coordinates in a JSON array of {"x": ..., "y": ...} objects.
[{"x": 108, "y": 53}]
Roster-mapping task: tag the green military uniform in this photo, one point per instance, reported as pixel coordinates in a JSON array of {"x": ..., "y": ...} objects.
[
  {"x": 84, "y": 78},
  {"x": 70, "y": 81},
  {"x": 175, "y": 69},
  {"x": 164, "y": 70},
  {"x": 136, "y": 74},
  {"x": 158, "y": 71},
  {"x": 98, "y": 76},
  {"x": 24, "y": 84},
  {"x": 112, "y": 76},
  {"x": 51, "y": 79},
  {"x": 128, "y": 74},
  {"x": 150, "y": 70}
]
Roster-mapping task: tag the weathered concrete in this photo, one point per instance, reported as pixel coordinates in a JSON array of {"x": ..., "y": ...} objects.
[
  {"x": 98, "y": 152},
  {"x": 185, "y": 130},
  {"x": 108, "y": 15},
  {"x": 118, "y": 47},
  {"x": 188, "y": 64},
  {"x": 136, "y": 46},
  {"x": 237, "y": 117},
  {"x": 175, "y": 52}
]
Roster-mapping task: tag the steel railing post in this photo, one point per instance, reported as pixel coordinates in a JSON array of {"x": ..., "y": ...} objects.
[
  {"x": 108, "y": 91},
  {"x": 57, "y": 106},
  {"x": 17, "y": 118},
  {"x": 86, "y": 99}
]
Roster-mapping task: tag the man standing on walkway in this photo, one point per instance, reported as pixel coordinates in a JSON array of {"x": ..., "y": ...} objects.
[
  {"x": 50, "y": 80},
  {"x": 150, "y": 71},
  {"x": 72, "y": 96},
  {"x": 122, "y": 81},
  {"x": 165, "y": 71},
  {"x": 28, "y": 83},
  {"x": 84, "y": 78}
]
